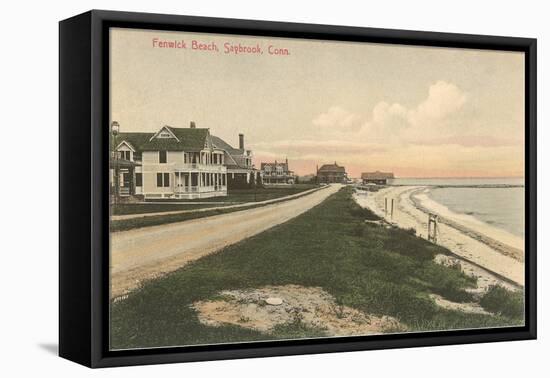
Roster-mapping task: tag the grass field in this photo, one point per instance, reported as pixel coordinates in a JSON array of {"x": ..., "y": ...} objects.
[
  {"x": 145, "y": 208},
  {"x": 155, "y": 220},
  {"x": 233, "y": 197},
  {"x": 364, "y": 266}
]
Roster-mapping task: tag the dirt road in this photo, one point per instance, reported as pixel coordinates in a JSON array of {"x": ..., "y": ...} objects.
[{"x": 150, "y": 252}]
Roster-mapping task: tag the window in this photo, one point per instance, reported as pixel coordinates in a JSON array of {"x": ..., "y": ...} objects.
[
  {"x": 163, "y": 180},
  {"x": 124, "y": 155},
  {"x": 139, "y": 179},
  {"x": 159, "y": 180},
  {"x": 162, "y": 157}
]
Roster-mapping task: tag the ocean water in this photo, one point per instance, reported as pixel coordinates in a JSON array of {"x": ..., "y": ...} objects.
[{"x": 495, "y": 201}]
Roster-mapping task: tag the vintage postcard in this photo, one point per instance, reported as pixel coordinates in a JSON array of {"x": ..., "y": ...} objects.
[{"x": 273, "y": 188}]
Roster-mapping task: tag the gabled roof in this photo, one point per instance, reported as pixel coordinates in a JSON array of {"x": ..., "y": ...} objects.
[
  {"x": 273, "y": 165},
  {"x": 136, "y": 140},
  {"x": 234, "y": 157},
  {"x": 188, "y": 139},
  {"x": 332, "y": 168},
  {"x": 377, "y": 175},
  {"x": 222, "y": 144}
]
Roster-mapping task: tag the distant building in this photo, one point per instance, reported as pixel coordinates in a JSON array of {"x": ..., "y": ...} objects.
[
  {"x": 241, "y": 173},
  {"x": 277, "y": 174},
  {"x": 332, "y": 173},
  {"x": 378, "y": 178}
]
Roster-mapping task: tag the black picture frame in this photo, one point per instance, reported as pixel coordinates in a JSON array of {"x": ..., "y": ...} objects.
[{"x": 83, "y": 181}]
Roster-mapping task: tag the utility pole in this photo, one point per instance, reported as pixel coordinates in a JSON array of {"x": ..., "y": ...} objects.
[{"x": 255, "y": 186}]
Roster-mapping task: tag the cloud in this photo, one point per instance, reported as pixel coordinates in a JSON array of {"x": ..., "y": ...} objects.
[
  {"x": 386, "y": 123},
  {"x": 443, "y": 100},
  {"x": 435, "y": 116},
  {"x": 384, "y": 113},
  {"x": 338, "y": 119}
]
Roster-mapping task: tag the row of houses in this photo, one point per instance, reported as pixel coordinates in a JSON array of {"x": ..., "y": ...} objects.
[
  {"x": 334, "y": 173},
  {"x": 192, "y": 163}
]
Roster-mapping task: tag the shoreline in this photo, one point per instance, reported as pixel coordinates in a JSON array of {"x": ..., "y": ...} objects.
[
  {"x": 489, "y": 254},
  {"x": 500, "y": 240}
]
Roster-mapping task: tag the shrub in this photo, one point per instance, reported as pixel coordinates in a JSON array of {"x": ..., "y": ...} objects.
[
  {"x": 411, "y": 230},
  {"x": 503, "y": 302}
]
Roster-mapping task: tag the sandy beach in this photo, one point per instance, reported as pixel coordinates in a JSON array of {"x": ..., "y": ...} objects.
[{"x": 491, "y": 254}]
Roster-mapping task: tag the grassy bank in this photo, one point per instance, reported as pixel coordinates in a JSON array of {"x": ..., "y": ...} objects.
[
  {"x": 364, "y": 266},
  {"x": 147, "y": 208},
  {"x": 155, "y": 220},
  {"x": 234, "y": 196},
  {"x": 263, "y": 194}
]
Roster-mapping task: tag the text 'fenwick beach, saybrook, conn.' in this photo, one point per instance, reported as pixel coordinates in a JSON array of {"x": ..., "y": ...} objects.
[{"x": 228, "y": 47}]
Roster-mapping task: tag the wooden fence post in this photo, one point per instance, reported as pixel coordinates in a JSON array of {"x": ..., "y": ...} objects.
[{"x": 432, "y": 228}]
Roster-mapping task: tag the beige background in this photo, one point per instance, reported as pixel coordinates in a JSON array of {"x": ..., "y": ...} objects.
[{"x": 417, "y": 111}]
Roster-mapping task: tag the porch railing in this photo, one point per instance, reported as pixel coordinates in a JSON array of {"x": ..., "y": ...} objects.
[
  {"x": 201, "y": 167},
  {"x": 199, "y": 189}
]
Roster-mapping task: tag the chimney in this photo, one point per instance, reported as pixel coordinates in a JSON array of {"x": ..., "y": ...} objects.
[
  {"x": 192, "y": 125},
  {"x": 241, "y": 141}
]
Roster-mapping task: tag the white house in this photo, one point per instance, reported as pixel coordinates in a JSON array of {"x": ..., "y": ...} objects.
[{"x": 171, "y": 163}]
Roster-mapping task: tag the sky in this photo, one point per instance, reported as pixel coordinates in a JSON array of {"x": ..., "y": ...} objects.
[{"x": 415, "y": 111}]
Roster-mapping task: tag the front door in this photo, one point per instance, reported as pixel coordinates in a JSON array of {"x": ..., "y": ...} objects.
[
  {"x": 125, "y": 182},
  {"x": 180, "y": 182}
]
